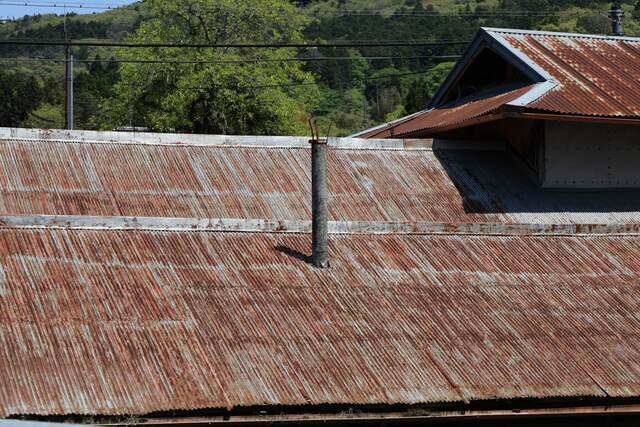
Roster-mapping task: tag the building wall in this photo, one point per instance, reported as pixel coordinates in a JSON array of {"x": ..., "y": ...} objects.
[{"x": 591, "y": 156}]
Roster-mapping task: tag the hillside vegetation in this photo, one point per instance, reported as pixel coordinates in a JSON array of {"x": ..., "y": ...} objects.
[{"x": 350, "y": 94}]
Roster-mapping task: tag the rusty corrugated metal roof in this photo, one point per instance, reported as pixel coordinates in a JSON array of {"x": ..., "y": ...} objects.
[
  {"x": 596, "y": 75},
  {"x": 575, "y": 74},
  {"x": 434, "y": 119},
  {"x": 114, "y": 322},
  {"x": 441, "y": 185}
]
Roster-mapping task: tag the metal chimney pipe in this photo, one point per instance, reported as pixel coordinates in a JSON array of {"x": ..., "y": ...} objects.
[
  {"x": 319, "y": 208},
  {"x": 616, "y": 14}
]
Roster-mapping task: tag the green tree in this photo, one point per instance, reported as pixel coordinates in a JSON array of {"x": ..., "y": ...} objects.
[
  {"x": 248, "y": 91},
  {"x": 19, "y": 94},
  {"x": 423, "y": 88},
  {"x": 636, "y": 11},
  {"x": 91, "y": 87},
  {"x": 45, "y": 116}
]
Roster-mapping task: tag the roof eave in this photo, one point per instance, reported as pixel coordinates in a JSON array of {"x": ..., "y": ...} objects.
[
  {"x": 373, "y": 131},
  {"x": 393, "y": 414}
]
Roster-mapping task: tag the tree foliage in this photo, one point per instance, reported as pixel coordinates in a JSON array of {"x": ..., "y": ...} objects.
[
  {"x": 19, "y": 94},
  {"x": 260, "y": 96},
  {"x": 424, "y": 87}
]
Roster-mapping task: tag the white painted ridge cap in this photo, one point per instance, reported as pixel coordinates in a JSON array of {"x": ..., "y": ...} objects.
[
  {"x": 559, "y": 34},
  {"x": 244, "y": 225},
  {"x": 175, "y": 140}
]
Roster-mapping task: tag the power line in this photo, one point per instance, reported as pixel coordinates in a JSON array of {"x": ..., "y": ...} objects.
[
  {"x": 61, "y": 5},
  {"x": 232, "y": 61},
  {"x": 15, "y": 42},
  {"x": 343, "y": 12},
  {"x": 436, "y": 14},
  {"x": 336, "y": 41},
  {"x": 285, "y": 85}
]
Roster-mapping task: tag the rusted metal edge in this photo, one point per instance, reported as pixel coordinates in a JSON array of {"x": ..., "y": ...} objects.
[
  {"x": 372, "y": 131},
  {"x": 27, "y": 423},
  {"x": 297, "y": 226},
  {"x": 516, "y": 55},
  {"x": 410, "y": 415},
  {"x": 490, "y": 116}
]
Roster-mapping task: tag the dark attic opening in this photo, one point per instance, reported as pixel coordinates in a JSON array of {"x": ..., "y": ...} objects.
[{"x": 488, "y": 72}]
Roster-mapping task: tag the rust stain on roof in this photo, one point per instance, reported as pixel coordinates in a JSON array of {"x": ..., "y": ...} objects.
[
  {"x": 115, "y": 322},
  {"x": 598, "y": 76},
  {"x": 442, "y": 186}
]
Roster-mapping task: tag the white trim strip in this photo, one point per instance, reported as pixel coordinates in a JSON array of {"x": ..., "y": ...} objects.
[
  {"x": 173, "y": 139},
  {"x": 537, "y": 92},
  {"x": 68, "y": 222},
  {"x": 228, "y": 141},
  {"x": 561, "y": 34}
]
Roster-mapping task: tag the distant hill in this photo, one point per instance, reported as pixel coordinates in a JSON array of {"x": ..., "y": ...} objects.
[
  {"x": 338, "y": 19},
  {"x": 113, "y": 24}
]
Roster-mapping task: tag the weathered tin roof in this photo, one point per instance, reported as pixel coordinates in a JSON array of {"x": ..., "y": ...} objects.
[
  {"x": 595, "y": 75},
  {"x": 436, "y": 119},
  {"x": 484, "y": 288},
  {"x": 113, "y": 322},
  {"x": 191, "y": 181},
  {"x": 572, "y": 74}
]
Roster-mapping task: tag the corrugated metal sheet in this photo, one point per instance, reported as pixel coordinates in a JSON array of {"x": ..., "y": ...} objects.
[
  {"x": 597, "y": 75},
  {"x": 434, "y": 119},
  {"x": 444, "y": 186},
  {"x": 115, "y": 322}
]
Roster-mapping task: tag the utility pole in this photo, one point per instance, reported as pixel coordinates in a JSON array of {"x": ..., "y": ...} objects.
[
  {"x": 68, "y": 89},
  {"x": 616, "y": 14}
]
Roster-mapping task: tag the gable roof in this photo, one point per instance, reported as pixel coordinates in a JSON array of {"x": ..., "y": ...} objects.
[
  {"x": 168, "y": 274},
  {"x": 594, "y": 75},
  {"x": 571, "y": 74}
]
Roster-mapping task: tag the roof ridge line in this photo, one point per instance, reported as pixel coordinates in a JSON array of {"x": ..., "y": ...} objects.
[
  {"x": 404, "y": 144},
  {"x": 560, "y": 34},
  {"x": 213, "y": 141},
  {"x": 250, "y": 225},
  {"x": 398, "y": 144}
]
